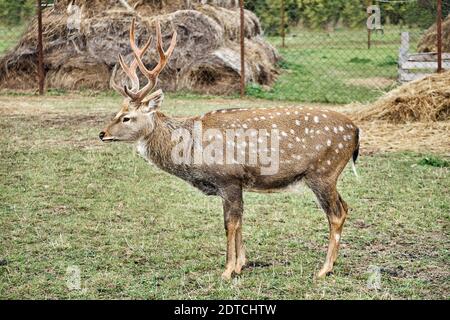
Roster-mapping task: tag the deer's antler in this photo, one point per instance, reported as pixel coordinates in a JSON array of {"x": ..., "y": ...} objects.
[{"x": 136, "y": 94}]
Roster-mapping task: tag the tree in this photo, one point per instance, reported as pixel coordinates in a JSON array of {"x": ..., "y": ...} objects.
[{"x": 15, "y": 12}]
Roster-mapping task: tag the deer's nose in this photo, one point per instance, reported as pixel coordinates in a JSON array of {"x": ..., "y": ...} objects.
[{"x": 101, "y": 135}]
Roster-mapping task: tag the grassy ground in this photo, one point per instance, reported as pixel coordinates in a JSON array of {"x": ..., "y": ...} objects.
[
  {"x": 66, "y": 200},
  {"x": 336, "y": 67},
  {"x": 9, "y": 35}
]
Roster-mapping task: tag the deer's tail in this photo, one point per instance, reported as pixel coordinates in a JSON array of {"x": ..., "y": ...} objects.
[{"x": 356, "y": 153}]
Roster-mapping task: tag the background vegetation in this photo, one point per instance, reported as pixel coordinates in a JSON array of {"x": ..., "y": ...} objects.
[{"x": 330, "y": 14}]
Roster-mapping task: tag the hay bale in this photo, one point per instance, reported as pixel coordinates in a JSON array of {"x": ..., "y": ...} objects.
[
  {"x": 428, "y": 42},
  {"x": 205, "y": 60},
  {"x": 423, "y": 100}
]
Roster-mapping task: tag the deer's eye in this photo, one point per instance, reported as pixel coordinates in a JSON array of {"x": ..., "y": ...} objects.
[{"x": 126, "y": 119}]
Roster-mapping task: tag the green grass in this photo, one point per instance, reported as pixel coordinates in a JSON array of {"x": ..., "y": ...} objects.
[
  {"x": 335, "y": 67},
  {"x": 9, "y": 35},
  {"x": 136, "y": 232}
]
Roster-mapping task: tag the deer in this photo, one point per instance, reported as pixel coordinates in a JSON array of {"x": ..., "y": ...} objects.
[{"x": 300, "y": 144}]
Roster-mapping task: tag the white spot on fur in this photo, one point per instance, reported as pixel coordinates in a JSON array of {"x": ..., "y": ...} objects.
[
  {"x": 316, "y": 119},
  {"x": 327, "y": 129},
  {"x": 274, "y": 126},
  {"x": 292, "y": 131},
  {"x": 297, "y": 122},
  {"x": 340, "y": 145},
  {"x": 341, "y": 128},
  {"x": 328, "y": 142}
]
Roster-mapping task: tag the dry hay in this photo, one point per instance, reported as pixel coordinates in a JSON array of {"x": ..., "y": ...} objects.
[
  {"x": 206, "y": 58},
  {"x": 424, "y": 100},
  {"x": 428, "y": 42},
  {"x": 380, "y": 137}
]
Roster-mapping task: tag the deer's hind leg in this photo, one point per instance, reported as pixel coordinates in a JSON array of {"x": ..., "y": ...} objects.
[
  {"x": 232, "y": 211},
  {"x": 336, "y": 210}
]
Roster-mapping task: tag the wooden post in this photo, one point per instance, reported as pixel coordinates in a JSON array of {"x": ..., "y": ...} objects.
[
  {"x": 283, "y": 22},
  {"x": 242, "y": 43},
  {"x": 439, "y": 35},
  {"x": 403, "y": 55},
  {"x": 40, "y": 62}
]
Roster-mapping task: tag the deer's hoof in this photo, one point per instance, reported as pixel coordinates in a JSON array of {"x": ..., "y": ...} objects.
[
  {"x": 239, "y": 266},
  {"x": 226, "y": 276},
  {"x": 324, "y": 272}
]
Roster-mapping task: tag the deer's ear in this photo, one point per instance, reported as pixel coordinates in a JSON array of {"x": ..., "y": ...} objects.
[{"x": 153, "y": 101}]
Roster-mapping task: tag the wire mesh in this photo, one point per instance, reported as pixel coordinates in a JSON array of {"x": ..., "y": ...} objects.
[{"x": 341, "y": 51}]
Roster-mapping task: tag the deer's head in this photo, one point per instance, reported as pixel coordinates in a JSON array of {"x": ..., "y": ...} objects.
[{"x": 136, "y": 116}]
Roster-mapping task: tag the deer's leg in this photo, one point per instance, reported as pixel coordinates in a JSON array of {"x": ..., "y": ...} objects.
[
  {"x": 232, "y": 210},
  {"x": 336, "y": 211},
  {"x": 240, "y": 249}
]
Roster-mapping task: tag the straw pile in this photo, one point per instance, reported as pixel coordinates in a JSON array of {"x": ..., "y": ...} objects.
[
  {"x": 424, "y": 100},
  {"x": 205, "y": 60},
  {"x": 428, "y": 42}
]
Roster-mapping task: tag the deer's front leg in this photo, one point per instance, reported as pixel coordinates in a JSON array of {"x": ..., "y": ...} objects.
[{"x": 232, "y": 211}]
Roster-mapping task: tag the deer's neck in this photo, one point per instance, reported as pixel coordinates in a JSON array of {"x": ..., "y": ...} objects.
[{"x": 157, "y": 146}]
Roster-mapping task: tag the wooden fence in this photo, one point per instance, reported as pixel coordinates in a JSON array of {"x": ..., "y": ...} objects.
[{"x": 412, "y": 66}]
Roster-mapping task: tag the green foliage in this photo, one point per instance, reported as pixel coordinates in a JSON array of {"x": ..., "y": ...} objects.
[
  {"x": 269, "y": 12},
  {"x": 16, "y": 12},
  {"x": 359, "y": 60},
  {"x": 434, "y": 161},
  {"x": 329, "y": 14}
]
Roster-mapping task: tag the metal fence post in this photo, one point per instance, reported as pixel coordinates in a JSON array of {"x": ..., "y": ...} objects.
[
  {"x": 242, "y": 43},
  {"x": 439, "y": 35},
  {"x": 283, "y": 32},
  {"x": 40, "y": 62}
]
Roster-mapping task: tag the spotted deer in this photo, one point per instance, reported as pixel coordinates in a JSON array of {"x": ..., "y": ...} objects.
[{"x": 298, "y": 144}]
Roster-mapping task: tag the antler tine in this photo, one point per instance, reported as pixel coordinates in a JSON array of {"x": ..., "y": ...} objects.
[
  {"x": 130, "y": 71},
  {"x": 164, "y": 56},
  {"x": 115, "y": 86}
]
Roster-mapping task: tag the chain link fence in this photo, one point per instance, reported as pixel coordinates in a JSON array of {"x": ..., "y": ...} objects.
[
  {"x": 333, "y": 51},
  {"x": 343, "y": 51},
  {"x": 14, "y": 16}
]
